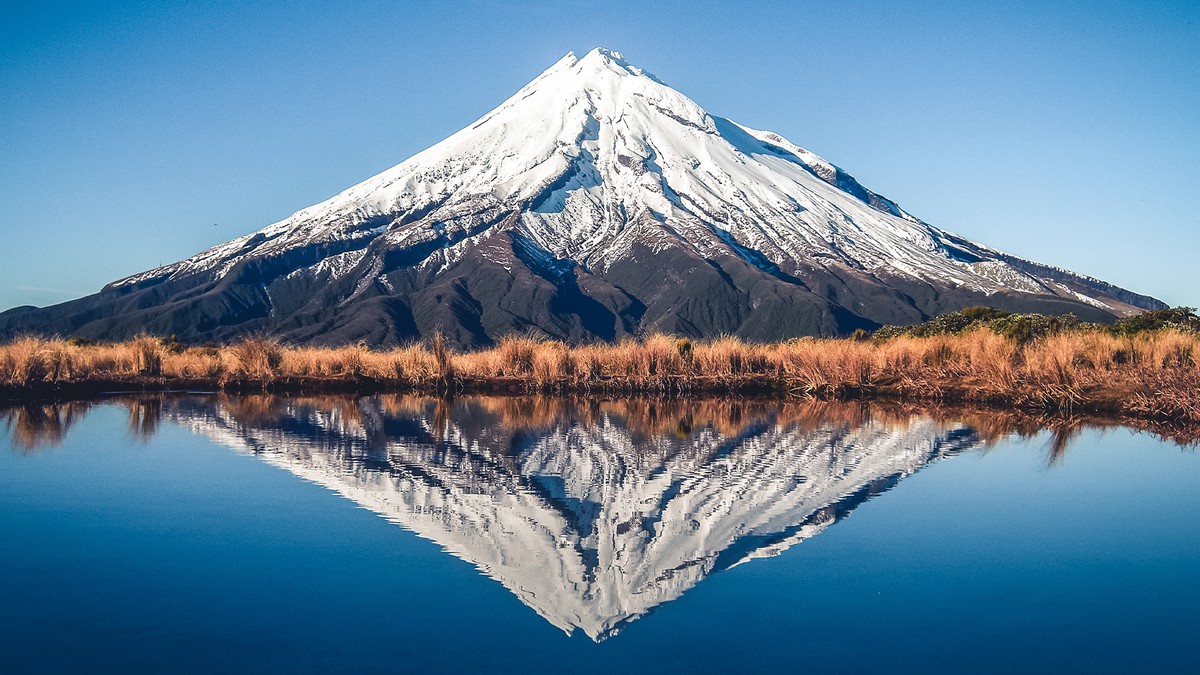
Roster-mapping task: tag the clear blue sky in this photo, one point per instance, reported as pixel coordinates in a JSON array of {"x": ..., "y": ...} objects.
[{"x": 139, "y": 133}]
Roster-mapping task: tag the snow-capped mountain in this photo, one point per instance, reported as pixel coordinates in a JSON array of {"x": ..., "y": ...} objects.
[
  {"x": 587, "y": 520},
  {"x": 595, "y": 202}
]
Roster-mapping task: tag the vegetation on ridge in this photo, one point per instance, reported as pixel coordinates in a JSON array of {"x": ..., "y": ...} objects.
[{"x": 1027, "y": 327}]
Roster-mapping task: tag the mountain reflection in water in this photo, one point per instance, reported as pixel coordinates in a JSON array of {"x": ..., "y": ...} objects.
[{"x": 591, "y": 512}]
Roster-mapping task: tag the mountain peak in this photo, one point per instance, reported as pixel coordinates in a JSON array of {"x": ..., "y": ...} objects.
[
  {"x": 608, "y": 61},
  {"x": 603, "y": 54},
  {"x": 606, "y": 53}
]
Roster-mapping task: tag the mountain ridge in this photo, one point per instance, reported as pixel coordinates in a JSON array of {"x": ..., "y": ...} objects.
[{"x": 594, "y": 203}]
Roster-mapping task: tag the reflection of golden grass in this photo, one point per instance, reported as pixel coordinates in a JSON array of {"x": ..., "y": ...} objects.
[
  {"x": 34, "y": 426},
  {"x": 254, "y": 410},
  {"x": 657, "y": 416},
  {"x": 1153, "y": 375},
  {"x": 144, "y": 416}
]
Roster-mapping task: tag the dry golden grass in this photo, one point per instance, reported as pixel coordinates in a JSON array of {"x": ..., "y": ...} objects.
[{"x": 1149, "y": 375}]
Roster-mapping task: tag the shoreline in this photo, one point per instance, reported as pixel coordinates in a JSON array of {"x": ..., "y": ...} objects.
[{"x": 1104, "y": 401}]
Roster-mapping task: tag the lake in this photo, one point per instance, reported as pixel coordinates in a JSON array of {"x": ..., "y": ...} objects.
[{"x": 206, "y": 533}]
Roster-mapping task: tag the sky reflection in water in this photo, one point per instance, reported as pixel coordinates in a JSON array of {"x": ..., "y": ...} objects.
[{"x": 593, "y": 514}]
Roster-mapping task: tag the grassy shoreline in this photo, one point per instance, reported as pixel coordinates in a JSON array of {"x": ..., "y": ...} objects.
[{"x": 1150, "y": 375}]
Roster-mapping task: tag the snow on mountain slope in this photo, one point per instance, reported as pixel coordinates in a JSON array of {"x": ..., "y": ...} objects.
[
  {"x": 594, "y": 204},
  {"x": 596, "y": 154},
  {"x": 592, "y": 525}
]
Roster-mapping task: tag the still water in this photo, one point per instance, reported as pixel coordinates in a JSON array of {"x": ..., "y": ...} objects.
[{"x": 400, "y": 533}]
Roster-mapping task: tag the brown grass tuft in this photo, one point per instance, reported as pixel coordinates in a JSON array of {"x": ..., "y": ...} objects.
[{"x": 256, "y": 359}]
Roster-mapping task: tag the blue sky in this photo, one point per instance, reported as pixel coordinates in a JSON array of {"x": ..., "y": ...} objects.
[{"x": 139, "y": 133}]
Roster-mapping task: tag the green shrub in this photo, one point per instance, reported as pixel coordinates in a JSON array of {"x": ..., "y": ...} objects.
[
  {"x": 1020, "y": 327},
  {"x": 1026, "y": 327},
  {"x": 1183, "y": 319}
]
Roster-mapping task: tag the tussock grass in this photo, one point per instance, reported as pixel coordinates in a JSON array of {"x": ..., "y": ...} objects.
[{"x": 1151, "y": 374}]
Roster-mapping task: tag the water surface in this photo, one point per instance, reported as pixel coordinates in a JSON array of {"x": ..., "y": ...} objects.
[{"x": 400, "y": 533}]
